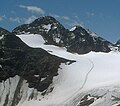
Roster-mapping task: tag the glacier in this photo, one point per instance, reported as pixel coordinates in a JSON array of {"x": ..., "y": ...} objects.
[{"x": 93, "y": 73}]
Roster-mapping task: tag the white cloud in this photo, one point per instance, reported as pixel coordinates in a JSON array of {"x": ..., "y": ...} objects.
[
  {"x": 65, "y": 17},
  {"x": 74, "y": 22},
  {"x": 54, "y": 15},
  {"x": 13, "y": 12},
  {"x": 1, "y": 18},
  {"x": 60, "y": 17},
  {"x": 33, "y": 9},
  {"x": 90, "y": 14},
  {"x": 77, "y": 21},
  {"x": 16, "y": 19},
  {"x": 23, "y": 20},
  {"x": 30, "y": 19},
  {"x": 69, "y": 21}
]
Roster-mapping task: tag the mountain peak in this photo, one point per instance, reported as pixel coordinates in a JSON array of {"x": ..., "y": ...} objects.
[
  {"x": 3, "y": 31},
  {"x": 45, "y": 20},
  {"x": 118, "y": 42},
  {"x": 76, "y": 27},
  {"x": 78, "y": 39},
  {"x": 39, "y": 26}
]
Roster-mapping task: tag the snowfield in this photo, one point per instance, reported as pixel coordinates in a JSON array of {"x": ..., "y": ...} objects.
[{"x": 92, "y": 70}]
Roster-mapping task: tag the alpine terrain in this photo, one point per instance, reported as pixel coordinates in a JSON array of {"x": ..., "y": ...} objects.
[
  {"x": 118, "y": 44},
  {"x": 45, "y": 64}
]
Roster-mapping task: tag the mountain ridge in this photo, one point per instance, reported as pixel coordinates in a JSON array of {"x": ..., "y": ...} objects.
[
  {"x": 79, "y": 40},
  {"x": 41, "y": 59}
]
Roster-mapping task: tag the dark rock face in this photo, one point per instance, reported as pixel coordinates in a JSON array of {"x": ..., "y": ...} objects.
[
  {"x": 78, "y": 40},
  {"x": 85, "y": 42},
  {"x": 118, "y": 43},
  {"x": 29, "y": 63},
  {"x": 3, "y": 31},
  {"x": 47, "y": 26},
  {"x": 87, "y": 100}
]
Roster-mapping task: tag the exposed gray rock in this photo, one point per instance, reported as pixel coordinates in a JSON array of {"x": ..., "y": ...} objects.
[
  {"x": 78, "y": 40},
  {"x": 19, "y": 59}
]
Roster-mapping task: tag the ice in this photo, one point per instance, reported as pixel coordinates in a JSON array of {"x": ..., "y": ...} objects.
[
  {"x": 47, "y": 27},
  {"x": 89, "y": 71},
  {"x": 72, "y": 29},
  {"x": 1, "y": 37}
]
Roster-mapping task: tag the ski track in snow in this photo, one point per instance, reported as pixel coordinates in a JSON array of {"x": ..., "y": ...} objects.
[
  {"x": 38, "y": 42},
  {"x": 95, "y": 69},
  {"x": 77, "y": 92}
]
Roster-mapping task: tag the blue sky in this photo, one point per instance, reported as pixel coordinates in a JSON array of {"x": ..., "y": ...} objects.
[{"x": 100, "y": 16}]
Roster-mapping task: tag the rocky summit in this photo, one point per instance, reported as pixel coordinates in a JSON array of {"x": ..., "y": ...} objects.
[
  {"x": 118, "y": 44},
  {"x": 77, "y": 40},
  {"x": 18, "y": 59},
  {"x": 3, "y": 31}
]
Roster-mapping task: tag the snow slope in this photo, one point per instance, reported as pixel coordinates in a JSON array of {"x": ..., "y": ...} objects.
[
  {"x": 1, "y": 37},
  {"x": 13, "y": 87},
  {"x": 69, "y": 75},
  {"x": 89, "y": 71}
]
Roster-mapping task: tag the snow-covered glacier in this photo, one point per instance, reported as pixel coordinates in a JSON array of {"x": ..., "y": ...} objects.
[
  {"x": 92, "y": 80},
  {"x": 96, "y": 74}
]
